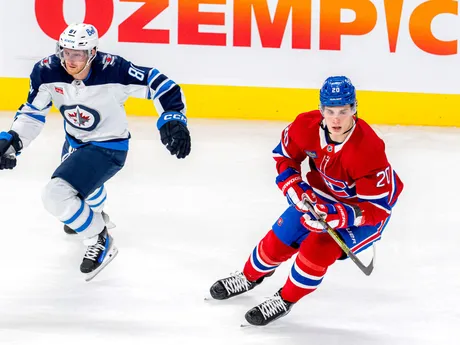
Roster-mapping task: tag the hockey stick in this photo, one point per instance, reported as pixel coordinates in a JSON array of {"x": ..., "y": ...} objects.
[{"x": 367, "y": 270}]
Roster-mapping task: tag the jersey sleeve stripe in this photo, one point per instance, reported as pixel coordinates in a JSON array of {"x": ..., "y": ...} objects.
[
  {"x": 30, "y": 105},
  {"x": 164, "y": 88},
  {"x": 324, "y": 196},
  {"x": 279, "y": 151},
  {"x": 391, "y": 200},
  {"x": 152, "y": 75},
  {"x": 157, "y": 81},
  {"x": 384, "y": 207},
  {"x": 37, "y": 117}
]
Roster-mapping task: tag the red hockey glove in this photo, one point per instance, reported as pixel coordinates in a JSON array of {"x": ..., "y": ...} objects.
[
  {"x": 338, "y": 216},
  {"x": 295, "y": 189}
]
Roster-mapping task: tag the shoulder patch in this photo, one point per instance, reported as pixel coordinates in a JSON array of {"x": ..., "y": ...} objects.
[
  {"x": 108, "y": 60},
  {"x": 46, "y": 62}
]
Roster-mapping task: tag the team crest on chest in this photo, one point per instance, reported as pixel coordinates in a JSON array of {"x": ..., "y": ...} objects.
[{"x": 80, "y": 116}]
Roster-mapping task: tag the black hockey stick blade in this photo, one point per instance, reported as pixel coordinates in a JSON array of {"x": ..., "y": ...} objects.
[{"x": 367, "y": 270}]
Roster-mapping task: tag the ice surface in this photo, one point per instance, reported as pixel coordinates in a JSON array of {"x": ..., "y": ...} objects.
[{"x": 183, "y": 224}]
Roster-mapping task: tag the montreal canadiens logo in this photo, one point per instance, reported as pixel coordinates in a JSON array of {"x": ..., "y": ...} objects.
[{"x": 80, "y": 116}]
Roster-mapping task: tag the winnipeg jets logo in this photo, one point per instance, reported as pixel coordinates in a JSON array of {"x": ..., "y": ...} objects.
[
  {"x": 80, "y": 116},
  {"x": 108, "y": 60},
  {"x": 46, "y": 62}
]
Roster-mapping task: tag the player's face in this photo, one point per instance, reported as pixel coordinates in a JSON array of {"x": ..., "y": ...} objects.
[
  {"x": 75, "y": 60},
  {"x": 338, "y": 119}
]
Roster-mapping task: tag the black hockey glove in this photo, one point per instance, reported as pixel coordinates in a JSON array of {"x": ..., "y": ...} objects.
[
  {"x": 7, "y": 162},
  {"x": 175, "y": 134},
  {"x": 10, "y": 146}
]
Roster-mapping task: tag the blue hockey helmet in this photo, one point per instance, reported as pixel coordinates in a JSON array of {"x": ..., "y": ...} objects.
[{"x": 337, "y": 91}]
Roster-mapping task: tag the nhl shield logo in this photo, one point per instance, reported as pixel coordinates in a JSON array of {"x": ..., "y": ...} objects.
[{"x": 80, "y": 116}]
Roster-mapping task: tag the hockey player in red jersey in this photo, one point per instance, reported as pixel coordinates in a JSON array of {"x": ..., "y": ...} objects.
[{"x": 351, "y": 186}]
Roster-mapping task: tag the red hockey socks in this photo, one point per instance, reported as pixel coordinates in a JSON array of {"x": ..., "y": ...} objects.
[
  {"x": 317, "y": 252},
  {"x": 267, "y": 256}
]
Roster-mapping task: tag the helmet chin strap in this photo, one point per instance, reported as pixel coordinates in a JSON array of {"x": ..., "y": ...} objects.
[
  {"x": 82, "y": 70},
  {"x": 354, "y": 123}
]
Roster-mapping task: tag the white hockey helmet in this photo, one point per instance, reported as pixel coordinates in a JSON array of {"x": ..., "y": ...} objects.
[{"x": 78, "y": 36}]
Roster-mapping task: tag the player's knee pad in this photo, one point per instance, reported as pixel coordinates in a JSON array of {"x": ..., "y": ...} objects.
[
  {"x": 61, "y": 200},
  {"x": 319, "y": 250},
  {"x": 58, "y": 196},
  {"x": 274, "y": 249},
  {"x": 96, "y": 199}
]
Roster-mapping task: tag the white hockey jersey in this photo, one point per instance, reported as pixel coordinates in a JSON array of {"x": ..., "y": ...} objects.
[{"x": 93, "y": 109}]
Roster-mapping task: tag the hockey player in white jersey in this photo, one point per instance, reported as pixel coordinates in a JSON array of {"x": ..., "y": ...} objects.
[{"x": 89, "y": 89}]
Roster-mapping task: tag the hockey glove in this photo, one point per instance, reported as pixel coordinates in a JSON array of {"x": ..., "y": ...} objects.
[
  {"x": 10, "y": 146},
  {"x": 295, "y": 189},
  {"x": 175, "y": 134},
  {"x": 338, "y": 216}
]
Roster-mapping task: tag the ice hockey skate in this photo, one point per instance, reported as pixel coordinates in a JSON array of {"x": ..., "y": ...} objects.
[
  {"x": 108, "y": 223},
  {"x": 234, "y": 285},
  {"x": 268, "y": 311},
  {"x": 98, "y": 256}
]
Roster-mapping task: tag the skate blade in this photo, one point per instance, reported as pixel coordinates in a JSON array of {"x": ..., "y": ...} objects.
[
  {"x": 108, "y": 258},
  {"x": 210, "y": 299},
  {"x": 246, "y": 324}
]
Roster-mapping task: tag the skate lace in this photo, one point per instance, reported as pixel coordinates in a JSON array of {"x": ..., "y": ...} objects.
[
  {"x": 272, "y": 306},
  {"x": 93, "y": 251},
  {"x": 236, "y": 283}
]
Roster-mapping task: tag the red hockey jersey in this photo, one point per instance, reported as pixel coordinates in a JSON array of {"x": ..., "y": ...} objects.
[{"x": 354, "y": 172}]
